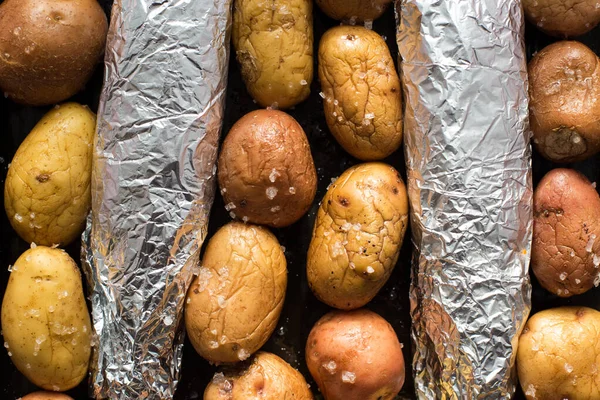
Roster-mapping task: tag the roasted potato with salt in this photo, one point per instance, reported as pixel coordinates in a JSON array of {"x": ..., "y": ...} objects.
[
  {"x": 47, "y": 193},
  {"x": 357, "y": 235},
  {"x": 559, "y": 354},
  {"x": 361, "y": 91},
  {"x": 273, "y": 41},
  {"x": 563, "y": 18},
  {"x": 46, "y": 396},
  {"x": 45, "y": 321},
  {"x": 234, "y": 303},
  {"x": 265, "y": 376},
  {"x": 354, "y": 10}
]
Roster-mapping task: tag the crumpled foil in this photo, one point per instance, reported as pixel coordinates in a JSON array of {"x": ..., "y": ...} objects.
[
  {"x": 159, "y": 122},
  {"x": 468, "y": 159}
]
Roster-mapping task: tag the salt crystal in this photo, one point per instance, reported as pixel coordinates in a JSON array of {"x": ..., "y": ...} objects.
[
  {"x": 275, "y": 209},
  {"x": 292, "y": 190},
  {"x": 33, "y": 245},
  {"x": 577, "y": 281},
  {"x": 331, "y": 367},
  {"x": 282, "y": 248},
  {"x": 10, "y": 268},
  {"x": 369, "y": 24},
  {"x": 213, "y": 344},
  {"x": 303, "y": 82},
  {"x": 6, "y": 345},
  {"x": 335, "y": 102},
  {"x": 223, "y": 339},
  {"x": 168, "y": 320},
  {"x": 590, "y": 243},
  {"x": 28, "y": 366},
  {"x": 9, "y": 354},
  {"x": 568, "y": 368},
  {"x": 594, "y": 185},
  {"x": 530, "y": 391},
  {"x": 369, "y": 116},
  {"x": 232, "y": 214},
  {"x": 243, "y": 354},
  {"x": 346, "y": 227},
  {"x": 223, "y": 191},
  {"x": 204, "y": 276},
  {"x": 370, "y": 270},
  {"x": 348, "y": 377},
  {"x": 229, "y": 207},
  {"x": 563, "y": 276},
  {"x": 221, "y": 301},
  {"x": 62, "y": 295},
  {"x": 84, "y": 329},
  {"x": 322, "y": 95},
  {"x": 352, "y": 20},
  {"x": 271, "y": 192},
  {"x": 245, "y": 219},
  {"x": 18, "y": 218},
  {"x": 597, "y": 281},
  {"x": 334, "y": 114},
  {"x": 572, "y": 253},
  {"x": 55, "y": 388},
  {"x": 352, "y": 265},
  {"x": 340, "y": 118},
  {"x": 188, "y": 301},
  {"x": 273, "y": 175},
  {"x": 596, "y": 260}
]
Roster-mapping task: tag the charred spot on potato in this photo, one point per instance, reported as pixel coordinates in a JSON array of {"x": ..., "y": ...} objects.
[
  {"x": 42, "y": 178},
  {"x": 344, "y": 201},
  {"x": 243, "y": 203},
  {"x": 564, "y": 143},
  {"x": 395, "y": 190},
  {"x": 580, "y": 313},
  {"x": 248, "y": 65},
  {"x": 351, "y": 37}
]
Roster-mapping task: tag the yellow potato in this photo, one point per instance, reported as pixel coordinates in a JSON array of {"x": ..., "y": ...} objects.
[
  {"x": 46, "y": 396},
  {"x": 357, "y": 236},
  {"x": 361, "y": 89},
  {"x": 47, "y": 191},
  {"x": 45, "y": 321},
  {"x": 273, "y": 40}
]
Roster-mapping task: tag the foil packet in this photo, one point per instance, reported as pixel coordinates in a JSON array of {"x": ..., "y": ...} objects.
[
  {"x": 158, "y": 127},
  {"x": 468, "y": 159}
]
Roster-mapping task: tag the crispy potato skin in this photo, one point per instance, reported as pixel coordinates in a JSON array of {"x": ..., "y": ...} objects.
[
  {"x": 49, "y": 48},
  {"x": 44, "y": 303},
  {"x": 235, "y": 301},
  {"x": 46, "y": 396},
  {"x": 559, "y": 354},
  {"x": 265, "y": 376},
  {"x": 361, "y": 343},
  {"x": 273, "y": 40},
  {"x": 47, "y": 191},
  {"x": 566, "y": 233},
  {"x": 258, "y": 175},
  {"x": 353, "y": 10},
  {"x": 363, "y": 104},
  {"x": 563, "y": 18},
  {"x": 564, "y": 91},
  {"x": 357, "y": 235}
]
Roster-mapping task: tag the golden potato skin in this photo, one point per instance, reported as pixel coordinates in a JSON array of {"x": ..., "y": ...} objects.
[
  {"x": 559, "y": 354},
  {"x": 45, "y": 320},
  {"x": 273, "y": 40},
  {"x": 564, "y": 108},
  {"x": 363, "y": 104},
  {"x": 563, "y": 18},
  {"x": 234, "y": 303},
  {"x": 353, "y": 10},
  {"x": 265, "y": 376},
  {"x": 48, "y": 48},
  {"x": 260, "y": 181},
  {"x": 357, "y": 235},
  {"x": 355, "y": 355},
  {"x": 46, "y": 396},
  {"x": 565, "y": 253},
  {"x": 47, "y": 191}
]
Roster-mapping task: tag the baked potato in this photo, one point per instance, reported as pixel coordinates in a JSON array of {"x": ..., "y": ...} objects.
[
  {"x": 273, "y": 41},
  {"x": 234, "y": 303},
  {"x": 357, "y": 235},
  {"x": 563, "y": 18},
  {"x": 47, "y": 193},
  {"x": 46, "y": 396},
  {"x": 361, "y": 92},
  {"x": 354, "y": 10},
  {"x": 45, "y": 321}
]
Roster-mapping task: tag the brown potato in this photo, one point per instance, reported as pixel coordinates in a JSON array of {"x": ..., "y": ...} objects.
[
  {"x": 355, "y": 355},
  {"x": 273, "y": 40},
  {"x": 559, "y": 354},
  {"x": 49, "y": 49},
  {"x": 266, "y": 171},
  {"x": 265, "y": 376},
  {"x": 357, "y": 235},
  {"x": 46, "y": 396},
  {"x": 563, "y": 18},
  {"x": 354, "y": 10},
  {"x": 564, "y": 91},
  {"x": 565, "y": 254},
  {"x": 361, "y": 90},
  {"x": 234, "y": 303}
]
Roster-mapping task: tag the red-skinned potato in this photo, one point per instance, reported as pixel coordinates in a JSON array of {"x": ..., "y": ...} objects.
[{"x": 354, "y": 10}]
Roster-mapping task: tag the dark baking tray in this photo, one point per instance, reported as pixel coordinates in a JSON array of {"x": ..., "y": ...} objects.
[{"x": 301, "y": 308}]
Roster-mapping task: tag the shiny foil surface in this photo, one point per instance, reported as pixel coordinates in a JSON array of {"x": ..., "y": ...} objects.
[
  {"x": 468, "y": 159},
  {"x": 159, "y": 122}
]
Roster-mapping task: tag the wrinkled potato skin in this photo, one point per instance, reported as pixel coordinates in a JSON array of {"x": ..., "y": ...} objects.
[
  {"x": 47, "y": 191},
  {"x": 358, "y": 78},
  {"x": 243, "y": 264},
  {"x": 554, "y": 341},
  {"x": 273, "y": 40},
  {"x": 257, "y": 155},
  {"x": 564, "y": 91},
  {"x": 53, "y": 48},
  {"x": 374, "y": 196},
  {"x": 566, "y": 210},
  {"x": 46, "y": 396},
  {"x": 563, "y": 18},
  {"x": 353, "y": 10},
  {"x": 360, "y": 342},
  {"x": 265, "y": 376},
  {"x": 39, "y": 280}
]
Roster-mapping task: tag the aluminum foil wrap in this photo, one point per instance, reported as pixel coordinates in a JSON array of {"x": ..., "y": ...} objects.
[
  {"x": 468, "y": 160},
  {"x": 159, "y": 122}
]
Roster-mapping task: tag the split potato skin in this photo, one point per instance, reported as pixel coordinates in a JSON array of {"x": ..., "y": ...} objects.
[
  {"x": 45, "y": 320},
  {"x": 49, "y": 49},
  {"x": 234, "y": 303},
  {"x": 565, "y": 253},
  {"x": 564, "y": 91},
  {"x": 355, "y": 355},
  {"x": 353, "y": 10},
  {"x": 264, "y": 376},
  {"x": 357, "y": 236},
  {"x": 559, "y": 354},
  {"x": 362, "y": 98},
  {"x": 562, "y": 18},
  {"x": 266, "y": 171},
  {"x": 273, "y": 40},
  {"x": 46, "y": 396},
  {"x": 47, "y": 194}
]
